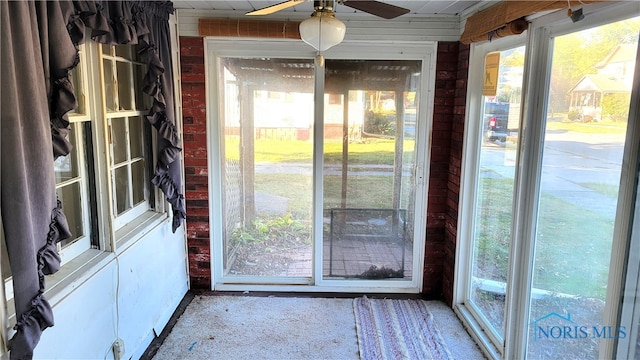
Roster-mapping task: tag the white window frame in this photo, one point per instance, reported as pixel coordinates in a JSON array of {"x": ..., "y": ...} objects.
[
  {"x": 630, "y": 308},
  {"x": 490, "y": 340},
  {"x": 519, "y": 279},
  {"x": 137, "y": 210},
  {"x": 77, "y": 120}
]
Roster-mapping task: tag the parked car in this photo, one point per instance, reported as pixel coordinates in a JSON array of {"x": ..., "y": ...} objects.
[{"x": 496, "y": 120}]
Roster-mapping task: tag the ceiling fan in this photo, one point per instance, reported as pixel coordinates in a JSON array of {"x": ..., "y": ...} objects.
[
  {"x": 378, "y": 8},
  {"x": 322, "y": 30}
]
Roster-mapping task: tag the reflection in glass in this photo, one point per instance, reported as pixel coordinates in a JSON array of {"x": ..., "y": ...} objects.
[
  {"x": 124, "y": 51},
  {"x": 135, "y": 137},
  {"x": 370, "y": 111},
  {"x": 500, "y": 121},
  {"x": 142, "y": 100},
  {"x": 66, "y": 167},
  {"x": 109, "y": 88},
  {"x": 71, "y": 200},
  {"x": 125, "y": 86},
  {"x": 78, "y": 87},
  {"x": 137, "y": 181},
  {"x": 4, "y": 260},
  {"x": 581, "y": 166},
  {"x": 119, "y": 140},
  {"x": 121, "y": 181}
]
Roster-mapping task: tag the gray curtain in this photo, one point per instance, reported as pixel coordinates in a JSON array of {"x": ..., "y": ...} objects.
[{"x": 39, "y": 49}]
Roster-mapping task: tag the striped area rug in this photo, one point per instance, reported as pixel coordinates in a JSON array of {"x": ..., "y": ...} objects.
[{"x": 397, "y": 329}]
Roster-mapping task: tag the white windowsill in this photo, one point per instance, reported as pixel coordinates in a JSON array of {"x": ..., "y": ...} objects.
[{"x": 134, "y": 230}]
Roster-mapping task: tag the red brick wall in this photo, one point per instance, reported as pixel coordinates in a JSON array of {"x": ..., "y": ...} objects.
[
  {"x": 444, "y": 182},
  {"x": 444, "y": 177},
  {"x": 455, "y": 162},
  {"x": 194, "y": 120}
]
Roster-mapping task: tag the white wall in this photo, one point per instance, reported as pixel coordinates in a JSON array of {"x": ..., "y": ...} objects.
[{"x": 128, "y": 296}]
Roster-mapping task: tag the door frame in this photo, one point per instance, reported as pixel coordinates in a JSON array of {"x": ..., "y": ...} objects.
[{"x": 425, "y": 51}]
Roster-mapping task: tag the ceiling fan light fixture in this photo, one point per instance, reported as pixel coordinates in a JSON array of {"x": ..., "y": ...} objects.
[{"x": 322, "y": 30}]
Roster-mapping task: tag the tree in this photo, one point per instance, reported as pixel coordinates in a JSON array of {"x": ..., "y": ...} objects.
[{"x": 577, "y": 54}]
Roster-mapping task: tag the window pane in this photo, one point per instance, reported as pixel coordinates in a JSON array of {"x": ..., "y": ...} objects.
[
  {"x": 122, "y": 189},
  {"x": 142, "y": 100},
  {"x": 107, "y": 50},
  {"x": 583, "y": 151},
  {"x": 72, "y": 206},
  {"x": 6, "y": 266},
  {"x": 125, "y": 84},
  {"x": 119, "y": 140},
  {"x": 109, "y": 88},
  {"x": 266, "y": 164},
  {"x": 370, "y": 112},
  {"x": 500, "y": 120},
  {"x": 78, "y": 87},
  {"x": 137, "y": 181},
  {"x": 136, "y": 137},
  {"x": 123, "y": 51},
  {"x": 66, "y": 167}
]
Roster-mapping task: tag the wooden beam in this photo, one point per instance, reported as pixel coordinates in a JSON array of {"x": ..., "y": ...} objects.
[
  {"x": 249, "y": 28},
  {"x": 480, "y": 25}
]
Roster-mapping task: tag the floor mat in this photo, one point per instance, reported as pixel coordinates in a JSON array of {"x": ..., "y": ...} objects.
[{"x": 397, "y": 329}]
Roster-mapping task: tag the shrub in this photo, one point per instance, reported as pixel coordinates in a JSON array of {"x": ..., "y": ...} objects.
[
  {"x": 573, "y": 115},
  {"x": 616, "y": 106},
  {"x": 379, "y": 124}
]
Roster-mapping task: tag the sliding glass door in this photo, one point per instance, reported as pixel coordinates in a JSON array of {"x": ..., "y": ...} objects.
[
  {"x": 369, "y": 169},
  {"x": 316, "y": 168},
  {"x": 266, "y": 159},
  {"x": 584, "y": 141},
  {"x": 549, "y": 175}
]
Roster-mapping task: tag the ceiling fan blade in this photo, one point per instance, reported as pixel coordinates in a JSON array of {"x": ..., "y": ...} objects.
[
  {"x": 275, "y": 8},
  {"x": 385, "y": 11}
]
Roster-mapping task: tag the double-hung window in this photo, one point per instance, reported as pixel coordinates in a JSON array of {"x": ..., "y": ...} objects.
[
  {"x": 128, "y": 133},
  {"x": 104, "y": 183}
]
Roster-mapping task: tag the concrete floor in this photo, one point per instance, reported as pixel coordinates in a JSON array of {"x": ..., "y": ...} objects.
[{"x": 262, "y": 326}]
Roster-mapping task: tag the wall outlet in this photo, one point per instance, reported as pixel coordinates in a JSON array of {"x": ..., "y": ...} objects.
[{"x": 118, "y": 349}]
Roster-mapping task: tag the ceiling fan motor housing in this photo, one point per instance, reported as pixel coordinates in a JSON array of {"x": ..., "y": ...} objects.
[
  {"x": 323, "y": 5},
  {"x": 322, "y": 31}
]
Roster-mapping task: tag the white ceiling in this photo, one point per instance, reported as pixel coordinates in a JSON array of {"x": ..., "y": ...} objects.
[{"x": 417, "y": 7}]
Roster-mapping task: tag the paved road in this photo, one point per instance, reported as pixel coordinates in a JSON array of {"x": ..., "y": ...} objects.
[{"x": 570, "y": 160}]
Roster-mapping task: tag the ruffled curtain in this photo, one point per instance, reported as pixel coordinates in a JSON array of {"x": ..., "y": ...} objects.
[{"x": 39, "y": 49}]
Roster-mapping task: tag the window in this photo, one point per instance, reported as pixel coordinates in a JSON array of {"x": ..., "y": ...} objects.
[
  {"x": 544, "y": 223},
  {"x": 499, "y": 122},
  {"x": 129, "y": 135},
  {"x": 111, "y": 155}
]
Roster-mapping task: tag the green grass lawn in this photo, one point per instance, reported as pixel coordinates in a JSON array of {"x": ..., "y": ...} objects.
[
  {"x": 604, "y": 189},
  {"x": 371, "y": 151},
  {"x": 591, "y": 128},
  {"x": 573, "y": 245},
  {"x": 372, "y": 191}
]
